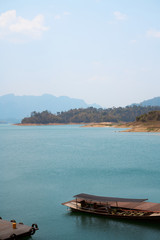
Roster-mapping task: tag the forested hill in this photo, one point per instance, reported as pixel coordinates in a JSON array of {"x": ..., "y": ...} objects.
[
  {"x": 151, "y": 116},
  {"x": 127, "y": 114}
]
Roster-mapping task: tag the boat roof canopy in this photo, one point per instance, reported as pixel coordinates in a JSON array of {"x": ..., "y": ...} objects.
[{"x": 84, "y": 196}]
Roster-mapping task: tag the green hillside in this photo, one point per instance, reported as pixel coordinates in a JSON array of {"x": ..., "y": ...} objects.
[
  {"x": 88, "y": 115},
  {"x": 150, "y": 116}
]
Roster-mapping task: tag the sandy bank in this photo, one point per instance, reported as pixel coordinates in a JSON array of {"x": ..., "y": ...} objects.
[
  {"x": 131, "y": 127},
  {"x": 142, "y": 127}
]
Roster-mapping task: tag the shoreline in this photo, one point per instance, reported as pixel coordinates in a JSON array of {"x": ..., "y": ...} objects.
[
  {"x": 93, "y": 124},
  {"x": 41, "y": 124},
  {"x": 131, "y": 127}
]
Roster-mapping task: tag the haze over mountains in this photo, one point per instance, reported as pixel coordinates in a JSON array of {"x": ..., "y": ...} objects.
[
  {"x": 151, "y": 102},
  {"x": 14, "y": 108}
]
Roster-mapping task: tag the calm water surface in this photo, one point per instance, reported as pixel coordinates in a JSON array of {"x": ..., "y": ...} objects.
[{"x": 43, "y": 166}]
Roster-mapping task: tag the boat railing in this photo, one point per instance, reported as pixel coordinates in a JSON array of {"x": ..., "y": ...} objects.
[
  {"x": 92, "y": 209},
  {"x": 115, "y": 211}
]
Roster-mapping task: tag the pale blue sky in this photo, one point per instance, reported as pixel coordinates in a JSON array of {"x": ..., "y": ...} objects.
[{"x": 103, "y": 51}]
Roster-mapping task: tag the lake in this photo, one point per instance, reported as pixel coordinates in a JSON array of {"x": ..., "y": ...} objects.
[{"x": 43, "y": 166}]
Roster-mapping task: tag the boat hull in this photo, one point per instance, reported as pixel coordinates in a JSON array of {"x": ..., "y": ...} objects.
[{"x": 115, "y": 216}]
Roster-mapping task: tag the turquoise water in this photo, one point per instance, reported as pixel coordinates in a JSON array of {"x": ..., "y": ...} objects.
[{"x": 43, "y": 166}]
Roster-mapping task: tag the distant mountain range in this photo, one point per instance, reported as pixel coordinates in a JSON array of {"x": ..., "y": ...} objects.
[
  {"x": 14, "y": 108},
  {"x": 150, "y": 102}
]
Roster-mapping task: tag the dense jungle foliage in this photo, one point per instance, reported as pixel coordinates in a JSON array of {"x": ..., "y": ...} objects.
[{"x": 126, "y": 114}]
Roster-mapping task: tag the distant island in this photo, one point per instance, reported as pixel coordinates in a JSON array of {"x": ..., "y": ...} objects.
[
  {"x": 128, "y": 117},
  {"x": 15, "y": 108}
]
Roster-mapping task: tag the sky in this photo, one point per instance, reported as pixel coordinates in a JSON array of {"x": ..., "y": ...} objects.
[{"x": 102, "y": 51}]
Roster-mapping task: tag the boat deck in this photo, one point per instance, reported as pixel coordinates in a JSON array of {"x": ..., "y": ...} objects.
[
  {"x": 143, "y": 206},
  {"x": 7, "y": 232}
]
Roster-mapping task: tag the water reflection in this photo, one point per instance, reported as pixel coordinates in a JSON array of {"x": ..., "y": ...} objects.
[{"x": 101, "y": 222}]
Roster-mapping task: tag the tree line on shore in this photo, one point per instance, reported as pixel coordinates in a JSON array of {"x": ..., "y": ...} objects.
[
  {"x": 150, "y": 116},
  {"x": 88, "y": 115}
]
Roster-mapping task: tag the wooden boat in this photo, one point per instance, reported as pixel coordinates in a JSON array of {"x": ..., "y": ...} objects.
[{"x": 111, "y": 207}]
